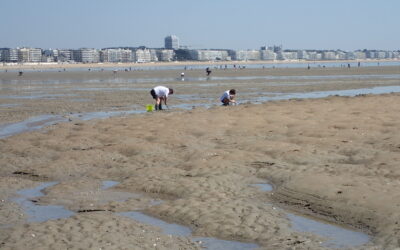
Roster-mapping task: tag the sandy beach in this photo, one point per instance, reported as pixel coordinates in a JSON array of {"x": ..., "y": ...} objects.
[{"x": 334, "y": 159}]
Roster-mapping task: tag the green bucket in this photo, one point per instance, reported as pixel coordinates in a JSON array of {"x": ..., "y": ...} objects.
[{"x": 149, "y": 107}]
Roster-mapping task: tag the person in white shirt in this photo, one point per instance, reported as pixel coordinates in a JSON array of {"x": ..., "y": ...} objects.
[
  {"x": 160, "y": 93},
  {"x": 228, "y": 97}
]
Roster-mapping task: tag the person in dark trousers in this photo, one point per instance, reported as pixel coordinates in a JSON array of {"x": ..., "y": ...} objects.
[
  {"x": 208, "y": 70},
  {"x": 160, "y": 93}
]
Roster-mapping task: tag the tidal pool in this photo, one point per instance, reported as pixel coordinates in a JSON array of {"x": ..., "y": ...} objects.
[
  {"x": 337, "y": 236},
  {"x": 40, "y": 213},
  {"x": 179, "y": 230}
]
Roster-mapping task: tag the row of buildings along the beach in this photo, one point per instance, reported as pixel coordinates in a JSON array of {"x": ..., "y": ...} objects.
[{"x": 172, "y": 51}]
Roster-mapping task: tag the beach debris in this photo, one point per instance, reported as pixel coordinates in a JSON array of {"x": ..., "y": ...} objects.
[
  {"x": 25, "y": 173},
  {"x": 91, "y": 210}
]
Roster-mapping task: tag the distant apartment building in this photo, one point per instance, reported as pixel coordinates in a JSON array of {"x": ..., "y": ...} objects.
[
  {"x": 86, "y": 55},
  {"x": 4, "y": 54},
  {"x": 142, "y": 55},
  {"x": 329, "y": 55},
  {"x": 153, "y": 55},
  {"x": 246, "y": 55},
  {"x": 171, "y": 42},
  {"x": 64, "y": 55},
  {"x": 50, "y": 55},
  {"x": 287, "y": 55},
  {"x": 370, "y": 54},
  {"x": 314, "y": 56},
  {"x": 267, "y": 54},
  {"x": 29, "y": 55},
  {"x": 13, "y": 55},
  {"x": 380, "y": 55},
  {"x": 341, "y": 55},
  {"x": 359, "y": 55},
  {"x": 209, "y": 55},
  {"x": 355, "y": 55},
  {"x": 116, "y": 55},
  {"x": 165, "y": 55},
  {"x": 302, "y": 55}
]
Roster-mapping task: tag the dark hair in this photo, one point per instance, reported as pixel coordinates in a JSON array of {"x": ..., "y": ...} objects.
[
  {"x": 232, "y": 92},
  {"x": 171, "y": 91}
]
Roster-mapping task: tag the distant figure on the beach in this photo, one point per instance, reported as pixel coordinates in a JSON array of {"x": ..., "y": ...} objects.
[
  {"x": 20, "y": 73},
  {"x": 359, "y": 64},
  {"x": 160, "y": 93},
  {"x": 228, "y": 97},
  {"x": 308, "y": 67},
  {"x": 208, "y": 70},
  {"x": 348, "y": 65},
  {"x": 183, "y": 76}
]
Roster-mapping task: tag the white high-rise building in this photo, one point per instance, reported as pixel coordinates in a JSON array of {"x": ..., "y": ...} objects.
[{"x": 171, "y": 42}]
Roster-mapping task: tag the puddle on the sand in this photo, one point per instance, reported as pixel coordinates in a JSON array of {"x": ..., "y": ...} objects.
[
  {"x": 105, "y": 114},
  {"x": 273, "y": 96},
  {"x": 30, "y": 124},
  {"x": 168, "y": 228},
  {"x": 263, "y": 186},
  {"x": 108, "y": 184},
  {"x": 179, "y": 230},
  {"x": 40, "y": 213},
  {"x": 9, "y": 105},
  {"x": 338, "y": 237},
  {"x": 39, "y": 122}
]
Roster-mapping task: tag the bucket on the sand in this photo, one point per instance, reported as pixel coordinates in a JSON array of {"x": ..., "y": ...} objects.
[{"x": 149, "y": 107}]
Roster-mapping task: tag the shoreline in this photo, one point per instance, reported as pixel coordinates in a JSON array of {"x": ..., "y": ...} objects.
[{"x": 176, "y": 63}]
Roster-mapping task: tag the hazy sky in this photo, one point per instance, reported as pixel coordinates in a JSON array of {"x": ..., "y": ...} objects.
[{"x": 232, "y": 24}]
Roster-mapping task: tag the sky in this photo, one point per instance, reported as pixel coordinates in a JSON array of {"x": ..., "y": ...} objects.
[{"x": 201, "y": 24}]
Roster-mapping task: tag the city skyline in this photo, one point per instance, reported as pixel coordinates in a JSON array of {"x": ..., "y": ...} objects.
[{"x": 223, "y": 24}]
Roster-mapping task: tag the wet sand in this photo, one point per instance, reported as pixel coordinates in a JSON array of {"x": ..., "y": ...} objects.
[
  {"x": 62, "y": 93},
  {"x": 334, "y": 158}
]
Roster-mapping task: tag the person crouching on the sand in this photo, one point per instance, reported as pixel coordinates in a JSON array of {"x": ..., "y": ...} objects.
[
  {"x": 160, "y": 93},
  {"x": 228, "y": 97}
]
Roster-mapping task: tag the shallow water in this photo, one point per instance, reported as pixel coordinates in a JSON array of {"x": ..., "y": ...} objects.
[
  {"x": 271, "y": 96},
  {"x": 115, "y": 80},
  {"x": 179, "y": 230},
  {"x": 40, "y": 213},
  {"x": 337, "y": 236},
  {"x": 267, "y": 64},
  {"x": 37, "y": 96},
  {"x": 263, "y": 186},
  {"x": 31, "y": 124},
  {"x": 9, "y": 105},
  {"x": 39, "y": 122},
  {"x": 108, "y": 184}
]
